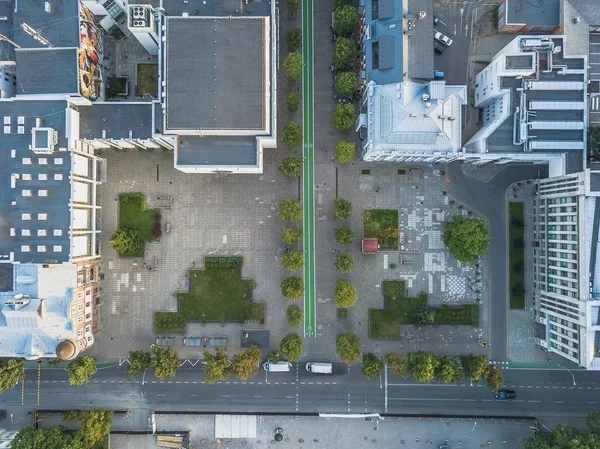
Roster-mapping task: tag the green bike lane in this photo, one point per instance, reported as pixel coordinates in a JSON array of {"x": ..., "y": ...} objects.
[{"x": 308, "y": 179}]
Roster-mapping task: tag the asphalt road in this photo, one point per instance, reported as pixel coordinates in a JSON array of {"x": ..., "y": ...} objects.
[
  {"x": 489, "y": 199},
  {"x": 547, "y": 395}
]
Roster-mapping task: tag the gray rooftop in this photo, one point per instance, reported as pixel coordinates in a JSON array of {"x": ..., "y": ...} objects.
[
  {"x": 533, "y": 13},
  {"x": 218, "y": 83},
  {"x": 29, "y": 167},
  {"x": 34, "y": 76},
  {"x": 217, "y": 8},
  {"x": 420, "y": 46},
  {"x": 118, "y": 120},
  {"x": 226, "y": 151},
  {"x": 588, "y": 10}
]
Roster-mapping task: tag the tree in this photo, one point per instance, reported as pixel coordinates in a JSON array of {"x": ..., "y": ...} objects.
[
  {"x": 467, "y": 238},
  {"x": 292, "y": 261},
  {"x": 345, "y": 84},
  {"x": 81, "y": 370},
  {"x": 344, "y": 235},
  {"x": 292, "y": 135},
  {"x": 344, "y": 19},
  {"x": 447, "y": 369},
  {"x": 292, "y": 66},
  {"x": 342, "y": 209},
  {"x": 593, "y": 142},
  {"x": 293, "y": 6},
  {"x": 293, "y": 39},
  {"x": 397, "y": 363},
  {"x": 372, "y": 366},
  {"x": 217, "y": 366},
  {"x": 421, "y": 366},
  {"x": 348, "y": 346},
  {"x": 12, "y": 371},
  {"x": 164, "y": 362},
  {"x": 345, "y": 294},
  {"x": 475, "y": 367},
  {"x": 291, "y": 347},
  {"x": 344, "y": 263},
  {"x": 291, "y": 236},
  {"x": 55, "y": 437},
  {"x": 293, "y": 101},
  {"x": 495, "y": 379},
  {"x": 291, "y": 166},
  {"x": 518, "y": 290},
  {"x": 292, "y": 287},
  {"x": 127, "y": 242},
  {"x": 343, "y": 117},
  {"x": 294, "y": 316},
  {"x": 343, "y": 53},
  {"x": 247, "y": 362},
  {"x": 339, "y": 3},
  {"x": 94, "y": 424},
  {"x": 563, "y": 437},
  {"x": 139, "y": 361},
  {"x": 423, "y": 314},
  {"x": 345, "y": 151},
  {"x": 290, "y": 210}
]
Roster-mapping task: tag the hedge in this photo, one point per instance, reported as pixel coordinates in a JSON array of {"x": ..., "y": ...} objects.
[
  {"x": 134, "y": 198},
  {"x": 223, "y": 262}
]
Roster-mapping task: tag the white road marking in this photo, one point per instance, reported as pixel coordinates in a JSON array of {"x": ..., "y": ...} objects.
[{"x": 422, "y": 399}]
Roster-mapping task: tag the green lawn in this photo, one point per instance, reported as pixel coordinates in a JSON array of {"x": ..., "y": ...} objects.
[
  {"x": 147, "y": 79},
  {"x": 385, "y": 323},
  {"x": 218, "y": 294},
  {"x": 135, "y": 215},
  {"x": 169, "y": 323},
  {"x": 383, "y": 225},
  {"x": 516, "y": 254}
]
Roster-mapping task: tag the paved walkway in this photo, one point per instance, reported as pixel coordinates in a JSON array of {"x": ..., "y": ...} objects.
[{"x": 308, "y": 181}]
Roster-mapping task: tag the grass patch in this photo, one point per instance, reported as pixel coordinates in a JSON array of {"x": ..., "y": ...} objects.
[
  {"x": 365, "y": 171},
  {"x": 383, "y": 225},
  {"x": 217, "y": 293},
  {"x": 516, "y": 254},
  {"x": 401, "y": 171},
  {"x": 385, "y": 323},
  {"x": 169, "y": 323},
  {"x": 342, "y": 313},
  {"x": 133, "y": 214},
  {"x": 147, "y": 79}
]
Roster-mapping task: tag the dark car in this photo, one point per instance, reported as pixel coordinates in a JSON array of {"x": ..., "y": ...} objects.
[
  {"x": 506, "y": 394},
  {"x": 439, "y": 48}
]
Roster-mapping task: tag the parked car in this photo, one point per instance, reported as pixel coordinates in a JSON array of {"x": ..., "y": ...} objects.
[
  {"x": 438, "y": 74},
  {"x": 506, "y": 394},
  {"x": 443, "y": 38},
  {"x": 435, "y": 20},
  {"x": 439, "y": 48},
  {"x": 168, "y": 227}
]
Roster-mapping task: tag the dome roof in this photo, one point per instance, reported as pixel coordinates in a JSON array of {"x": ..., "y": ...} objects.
[{"x": 66, "y": 350}]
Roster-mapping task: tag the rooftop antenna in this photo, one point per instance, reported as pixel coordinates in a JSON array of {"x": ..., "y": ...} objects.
[{"x": 36, "y": 35}]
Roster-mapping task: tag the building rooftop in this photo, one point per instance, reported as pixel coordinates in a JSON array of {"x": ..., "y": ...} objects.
[
  {"x": 34, "y": 76},
  {"x": 420, "y": 46},
  {"x": 527, "y": 12},
  {"x": 116, "y": 120},
  {"x": 221, "y": 82},
  {"x": 588, "y": 10},
  {"x": 217, "y": 151}
]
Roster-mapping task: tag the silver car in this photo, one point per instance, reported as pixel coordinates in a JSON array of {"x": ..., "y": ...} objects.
[{"x": 443, "y": 38}]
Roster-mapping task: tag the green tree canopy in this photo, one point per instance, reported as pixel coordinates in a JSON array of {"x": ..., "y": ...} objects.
[
  {"x": 292, "y": 135},
  {"x": 293, "y": 6},
  {"x": 127, "y": 241},
  {"x": 217, "y": 366},
  {"x": 348, "y": 346},
  {"x": 294, "y": 316},
  {"x": 345, "y": 84},
  {"x": 345, "y": 151},
  {"x": 247, "y": 362},
  {"x": 475, "y": 367},
  {"x": 593, "y": 142},
  {"x": 139, "y": 361},
  {"x": 291, "y": 347},
  {"x": 12, "y": 371},
  {"x": 55, "y": 437},
  {"x": 291, "y": 236},
  {"x": 343, "y": 117},
  {"x": 423, "y": 314},
  {"x": 290, "y": 210},
  {"x": 344, "y": 263},
  {"x": 495, "y": 379},
  {"x": 293, "y": 39},
  {"x": 397, "y": 363},
  {"x": 293, "y": 261},
  {"x": 467, "y": 238},
  {"x": 344, "y": 19},
  {"x": 564, "y": 437},
  {"x": 421, "y": 366},
  {"x": 447, "y": 369},
  {"x": 343, "y": 53},
  {"x": 81, "y": 370},
  {"x": 372, "y": 366},
  {"x": 292, "y": 287},
  {"x": 345, "y": 294},
  {"x": 344, "y": 235},
  {"x": 94, "y": 425},
  {"x": 293, "y": 101},
  {"x": 342, "y": 209},
  {"x": 292, "y": 66},
  {"x": 164, "y": 362},
  {"x": 291, "y": 166}
]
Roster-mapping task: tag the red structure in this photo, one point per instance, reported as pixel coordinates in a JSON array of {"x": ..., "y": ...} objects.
[{"x": 370, "y": 246}]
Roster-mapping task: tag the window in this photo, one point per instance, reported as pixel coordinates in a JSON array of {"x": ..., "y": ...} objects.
[
  {"x": 41, "y": 248},
  {"x": 57, "y": 232},
  {"x": 58, "y": 177},
  {"x": 26, "y": 193},
  {"x": 41, "y": 233},
  {"x": 42, "y": 216},
  {"x": 25, "y": 233},
  {"x": 42, "y": 177},
  {"x": 43, "y": 161},
  {"x": 25, "y": 248}
]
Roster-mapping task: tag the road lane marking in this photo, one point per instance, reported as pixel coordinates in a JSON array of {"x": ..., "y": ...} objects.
[
  {"x": 161, "y": 394},
  {"x": 534, "y": 401},
  {"x": 422, "y": 399}
]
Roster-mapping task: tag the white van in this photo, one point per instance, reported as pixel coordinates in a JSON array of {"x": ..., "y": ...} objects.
[
  {"x": 277, "y": 366},
  {"x": 319, "y": 368}
]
